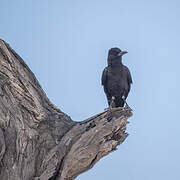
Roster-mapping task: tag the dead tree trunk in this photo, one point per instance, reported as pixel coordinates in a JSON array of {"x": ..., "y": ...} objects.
[{"x": 40, "y": 142}]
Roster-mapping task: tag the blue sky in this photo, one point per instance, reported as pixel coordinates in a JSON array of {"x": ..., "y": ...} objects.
[{"x": 65, "y": 43}]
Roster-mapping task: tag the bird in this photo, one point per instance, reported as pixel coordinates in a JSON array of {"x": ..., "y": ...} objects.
[{"x": 116, "y": 79}]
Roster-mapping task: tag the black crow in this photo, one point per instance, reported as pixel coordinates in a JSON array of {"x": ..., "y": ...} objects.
[{"x": 116, "y": 79}]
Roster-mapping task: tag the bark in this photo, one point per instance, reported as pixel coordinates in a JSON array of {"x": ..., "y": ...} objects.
[{"x": 40, "y": 142}]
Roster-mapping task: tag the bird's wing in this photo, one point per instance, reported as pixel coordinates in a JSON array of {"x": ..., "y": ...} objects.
[
  {"x": 129, "y": 78},
  {"x": 104, "y": 77},
  {"x": 104, "y": 83}
]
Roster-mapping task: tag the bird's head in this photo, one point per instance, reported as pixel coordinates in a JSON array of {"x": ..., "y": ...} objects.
[{"x": 115, "y": 56}]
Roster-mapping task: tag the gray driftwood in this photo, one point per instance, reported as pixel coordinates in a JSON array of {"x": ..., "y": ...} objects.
[{"x": 40, "y": 142}]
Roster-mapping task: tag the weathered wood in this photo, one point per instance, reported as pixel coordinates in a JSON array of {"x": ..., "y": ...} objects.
[{"x": 37, "y": 140}]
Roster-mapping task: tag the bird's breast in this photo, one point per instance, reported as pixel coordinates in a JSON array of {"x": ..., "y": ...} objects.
[{"x": 116, "y": 82}]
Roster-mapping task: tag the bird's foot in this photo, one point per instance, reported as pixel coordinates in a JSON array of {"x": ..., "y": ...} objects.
[
  {"x": 108, "y": 109},
  {"x": 114, "y": 108}
]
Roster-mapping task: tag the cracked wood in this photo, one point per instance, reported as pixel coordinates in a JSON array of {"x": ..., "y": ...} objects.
[{"x": 37, "y": 140}]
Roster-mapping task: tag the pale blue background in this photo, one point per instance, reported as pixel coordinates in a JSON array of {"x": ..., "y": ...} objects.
[{"x": 67, "y": 41}]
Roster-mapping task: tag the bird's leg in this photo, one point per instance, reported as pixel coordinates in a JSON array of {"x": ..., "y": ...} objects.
[
  {"x": 124, "y": 99},
  {"x": 112, "y": 104},
  {"x": 126, "y": 104}
]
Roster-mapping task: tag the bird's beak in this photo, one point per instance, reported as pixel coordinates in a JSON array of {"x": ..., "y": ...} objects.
[{"x": 122, "y": 53}]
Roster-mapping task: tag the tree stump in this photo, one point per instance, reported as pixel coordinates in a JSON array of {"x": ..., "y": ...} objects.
[{"x": 40, "y": 142}]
